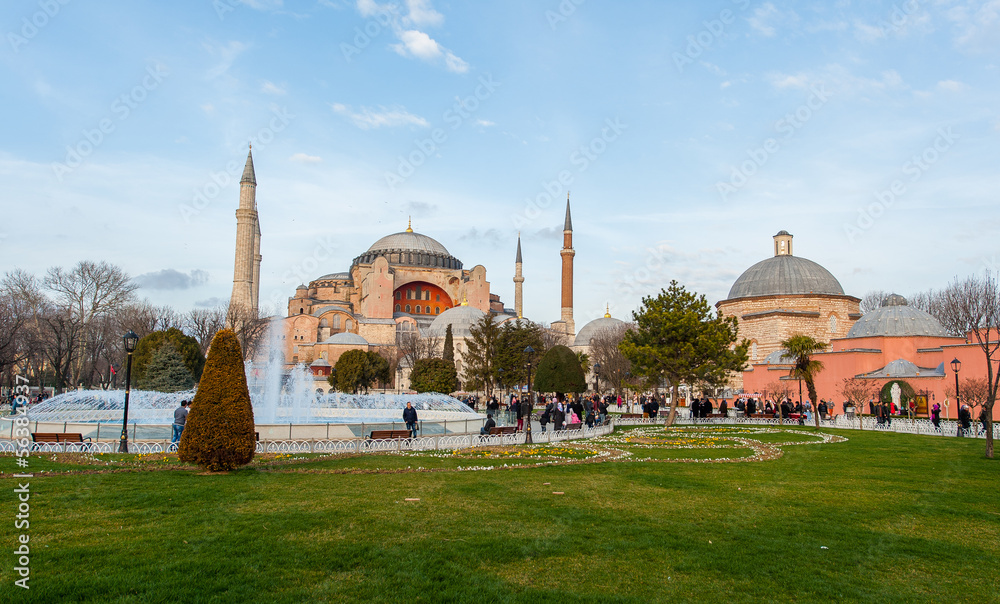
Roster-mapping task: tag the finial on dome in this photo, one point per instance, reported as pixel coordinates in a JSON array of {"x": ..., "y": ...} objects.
[
  {"x": 607, "y": 311},
  {"x": 409, "y": 224},
  {"x": 465, "y": 300}
]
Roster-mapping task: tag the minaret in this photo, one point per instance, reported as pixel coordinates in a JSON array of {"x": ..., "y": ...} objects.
[
  {"x": 518, "y": 282},
  {"x": 567, "y": 253},
  {"x": 246, "y": 269}
]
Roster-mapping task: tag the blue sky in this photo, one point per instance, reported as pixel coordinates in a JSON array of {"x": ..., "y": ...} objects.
[{"x": 688, "y": 134}]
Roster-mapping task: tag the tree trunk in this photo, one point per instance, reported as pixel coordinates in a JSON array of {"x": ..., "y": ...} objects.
[
  {"x": 988, "y": 407},
  {"x": 673, "y": 405},
  {"x": 811, "y": 388}
]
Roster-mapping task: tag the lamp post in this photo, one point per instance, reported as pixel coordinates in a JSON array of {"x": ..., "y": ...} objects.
[
  {"x": 531, "y": 398},
  {"x": 956, "y": 366},
  {"x": 130, "y": 342},
  {"x": 597, "y": 379},
  {"x": 399, "y": 379}
]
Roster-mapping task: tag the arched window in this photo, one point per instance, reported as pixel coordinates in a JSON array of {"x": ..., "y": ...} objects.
[
  {"x": 397, "y": 306},
  {"x": 407, "y": 308},
  {"x": 437, "y": 310},
  {"x": 300, "y": 311},
  {"x": 833, "y": 323},
  {"x": 753, "y": 351},
  {"x": 427, "y": 309},
  {"x": 336, "y": 321}
]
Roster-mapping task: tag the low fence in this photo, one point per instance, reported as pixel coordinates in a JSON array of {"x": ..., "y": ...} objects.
[{"x": 351, "y": 445}]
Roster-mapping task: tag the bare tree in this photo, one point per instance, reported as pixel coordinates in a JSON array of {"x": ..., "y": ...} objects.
[
  {"x": 859, "y": 391},
  {"x": 604, "y": 351},
  {"x": 203, "y": 323},
  {"x": 872, "y": 300},
  {"x": 250, "y": 326},
  {"x": 551, "y": 337},
  {"x": 975, "y": 306},
  {"x": 975, "y": 391}
]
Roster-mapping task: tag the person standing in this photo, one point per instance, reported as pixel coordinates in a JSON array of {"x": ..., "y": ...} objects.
[
  {"x": 936, "y": 416},
  {"x": 964, "y": 420},
  {"x": 410, "y": 417},
  {"x": 180, "y": 418}
]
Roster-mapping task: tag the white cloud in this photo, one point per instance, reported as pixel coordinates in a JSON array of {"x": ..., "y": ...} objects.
[
  {"x": 418, "y": 44},
  {"x": 485, "y": 123},
  {"x": 421, "y": 13},
  {"x": 271, "y": 88},
  {"x": 767, "y": 17},
  {"x": 951, "y": 86},
  {"x": 227, "y": 54},
  {"x": 305, "y": 159},
  {"x": 368, "y": 118}
]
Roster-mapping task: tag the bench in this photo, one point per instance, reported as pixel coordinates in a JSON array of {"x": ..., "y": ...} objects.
[
  {"x": 716, "y": 415},
  {"x": 58, "y": 437},
  {"x": 495, "y": 430},
  {"x": 631, "y": 416},
  {"x": 575, "y": 426},
  {"x": 389, "y": 434}
]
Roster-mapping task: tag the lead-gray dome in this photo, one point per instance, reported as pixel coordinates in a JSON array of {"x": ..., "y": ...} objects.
[
  {"x": 346, "y": 337},
  {"x": 410, "y": 249},
  {"x": 894, "y": 319},
  {"x": 461, "y": 319},
  {"x": 785, "y": 275},
  {"x": 591, "y": 329}
]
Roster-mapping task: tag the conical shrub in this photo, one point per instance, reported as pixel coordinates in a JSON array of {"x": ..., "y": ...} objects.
[{"x": 219, "y": 432}]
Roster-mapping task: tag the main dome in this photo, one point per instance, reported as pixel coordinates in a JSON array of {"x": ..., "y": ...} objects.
[
  {"x": 410, "y": 249},
  {"x": 896, "y": 318},
  {"x": 784, "y": 275},
  {"x": 408, "y": 241}
]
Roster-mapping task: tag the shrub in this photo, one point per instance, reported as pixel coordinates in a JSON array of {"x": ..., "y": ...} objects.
[
  {"x": 559, "y": 371},
  {"x": 166, "y": 371},
  {"x": 434, "y": 375},
  {"x": 219, "y": 433},
  {"x": 187, "y": 346}
]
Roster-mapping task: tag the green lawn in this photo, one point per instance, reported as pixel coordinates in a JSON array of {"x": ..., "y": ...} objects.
[{"x": 879, "y": 518}]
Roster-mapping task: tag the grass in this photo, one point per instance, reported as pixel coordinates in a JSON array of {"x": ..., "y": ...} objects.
[{"x": 879, "y": 518}]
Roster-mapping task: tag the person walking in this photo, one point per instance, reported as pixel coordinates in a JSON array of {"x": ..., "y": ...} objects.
[
  {"x": 936, "y": 416},
  {"x": 410, "y": 417},
  {"x": 964, "y": 421},
  {"x": 180, "y": 418}
]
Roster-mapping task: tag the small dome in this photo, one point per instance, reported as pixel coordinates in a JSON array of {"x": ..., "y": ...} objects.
[
  {"x": 588, "y": 331},
  {"x": 895, "y": 319},
  {"x": 785, "y": 275},
  {"x": 320, "y": 362},
  {"x": 461, "y": 319},
  {"x": 779, "y": 357},
  {"x": 335, "y": 277},
  {"x": 346, "y": 338},
  {"x": 782, "y": 232}
]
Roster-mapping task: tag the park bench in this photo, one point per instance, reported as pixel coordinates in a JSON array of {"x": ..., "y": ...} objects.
[
  {"x": 716, "y": 415},
  {"x": 631, "y": 416},
  {"x": 389, "y": 434},
  {"x": 58, "y": 437},
  {"x": 499, "y": 430},
  {"x": 61, "y": 438},
  {"x": 575, "y": 426}
]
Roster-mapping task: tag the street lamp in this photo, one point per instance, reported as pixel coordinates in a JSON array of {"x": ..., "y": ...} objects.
[
  {"x": 531, "y": 398},
  {"x": 399, "y": 379},
  {"x": 956, "y": 366},
  {"x": 130, "y": 342},
  {"x": 597, "y": 379}
]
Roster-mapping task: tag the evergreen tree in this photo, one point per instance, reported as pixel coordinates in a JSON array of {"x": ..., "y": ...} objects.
[
  {"x": 187, "y": 346},
  {"x": 351, "y": 368},
  {"x": 434, "y": 375},
  {"x": 166, "y": 371},
  {"x": 678, "y": 338},
  {"x": 377, "y": 370},
  {"x": 449, "y": 344},
  {"x": 559, "y": 371},
  {"x": 219, "y": 432},
  {"x": 510, "y": 362},
  {"x": 481, "y": 352}
]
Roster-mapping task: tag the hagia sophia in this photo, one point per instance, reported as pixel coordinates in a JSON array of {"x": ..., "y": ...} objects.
[{"x": 409, "y": 283}]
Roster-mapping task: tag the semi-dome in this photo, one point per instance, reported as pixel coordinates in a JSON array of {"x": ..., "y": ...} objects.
[
  {"x": 785, "y": 275},
  {"x": 410, "y": 249},
  {"x": 588, "y": 331},
  {"x": 896, "y": 318},
  {"x": 461, "y": 319},
  {"x": 346, "y": 338},
  {"x": 332, "y": 277},
  {"x": 779, "y": 357}
]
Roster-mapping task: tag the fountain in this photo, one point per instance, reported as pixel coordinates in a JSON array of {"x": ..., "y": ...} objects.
[{"x": 286, "y": 404}]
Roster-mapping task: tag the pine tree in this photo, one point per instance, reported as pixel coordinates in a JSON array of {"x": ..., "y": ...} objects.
[
  {"x": 219, "y": 433},
  {"x": 166, "y": 371},
  {"x": 449, "y": 345},
  {"x": 559, "y": 371}
]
